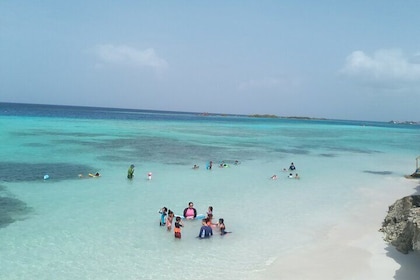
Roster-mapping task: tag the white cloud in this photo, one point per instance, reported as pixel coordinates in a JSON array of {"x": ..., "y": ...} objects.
[
  {"x": 383, "y": 66},
  {"x": 128, "y": 56}
]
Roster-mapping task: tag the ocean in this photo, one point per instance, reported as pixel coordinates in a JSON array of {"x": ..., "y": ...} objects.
[{"x": 72, "y": 226}]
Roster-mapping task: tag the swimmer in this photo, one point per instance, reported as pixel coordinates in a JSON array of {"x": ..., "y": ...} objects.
[
  {"x": 297, "y": 176},
  {"x": 149, "y": 176},
  {"x": 195, "y": 166},
  {"x": 223, "y": 164},
  {"x": 274, "y": 177},
  {"x": 292, "y": 166},
  {"x": 290, "y": 176}
]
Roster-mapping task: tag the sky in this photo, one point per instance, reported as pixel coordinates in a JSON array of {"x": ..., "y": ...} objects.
[{"x": 353, "y": 60}]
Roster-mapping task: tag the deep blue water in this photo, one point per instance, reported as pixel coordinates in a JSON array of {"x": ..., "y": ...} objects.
[{"x": 80, "y": 112}]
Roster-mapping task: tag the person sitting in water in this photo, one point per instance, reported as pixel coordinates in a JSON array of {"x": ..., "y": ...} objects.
[
  {"x": 130, "y": 172},
  {"x": 205, "y": 231},
  {"x": 292, "y": 166},
  {"x": 190, "y": 212}
]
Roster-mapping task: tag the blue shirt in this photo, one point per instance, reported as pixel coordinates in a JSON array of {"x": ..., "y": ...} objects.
[{"x": 205, "y": 232}]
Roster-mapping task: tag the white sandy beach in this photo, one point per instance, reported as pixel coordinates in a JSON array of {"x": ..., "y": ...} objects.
[{"x": 354, "y": 248}]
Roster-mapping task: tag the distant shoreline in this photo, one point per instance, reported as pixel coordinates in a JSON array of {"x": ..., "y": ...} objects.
[
  {"x": 278, "y": 117},
  {"x": 272, "y": 116}
]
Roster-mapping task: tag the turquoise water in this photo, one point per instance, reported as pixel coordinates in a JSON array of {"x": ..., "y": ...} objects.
[{"x": 69, "y": 227}]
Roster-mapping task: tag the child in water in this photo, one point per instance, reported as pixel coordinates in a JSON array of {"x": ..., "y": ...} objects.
[
  {"x": 162, "y": 213},
  {"x": 222, "y": 227},
  {"x": 210, "y": 210},
  {"x": 169, "y": 220},
  {"x": 177, "y": 229}
]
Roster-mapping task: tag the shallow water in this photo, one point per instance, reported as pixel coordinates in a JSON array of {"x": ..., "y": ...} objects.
[{"x": 69, "y": 227}]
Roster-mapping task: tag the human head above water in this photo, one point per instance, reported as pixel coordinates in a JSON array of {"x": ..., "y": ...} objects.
[{"x": 190, "y": 204}]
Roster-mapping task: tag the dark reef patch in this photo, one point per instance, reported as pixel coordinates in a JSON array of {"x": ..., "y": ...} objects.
[
  {"x": 328, "y": 155},
  {"x": 20, "y": 172},
  {"x": 11, "y": 209},
  {"x": 293, "y": 151},
  {"x": 353, "y": 150},
  {"x": 378, "y": 172}
]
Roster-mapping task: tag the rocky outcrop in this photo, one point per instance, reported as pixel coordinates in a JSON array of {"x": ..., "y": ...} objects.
[{"x": 402, "y": 224}]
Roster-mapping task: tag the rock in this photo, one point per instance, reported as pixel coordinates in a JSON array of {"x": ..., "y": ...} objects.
[{"x": 402, "y": 224}]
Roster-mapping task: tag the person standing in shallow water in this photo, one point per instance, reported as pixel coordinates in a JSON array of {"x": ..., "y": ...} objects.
[
  {"x": 177, "y": 228},
  {"x": 130, "y": 172}
]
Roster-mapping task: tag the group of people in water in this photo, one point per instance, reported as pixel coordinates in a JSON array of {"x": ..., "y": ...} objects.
[
  {"x": 130, "y": 173},
  {"x": 222, "y": 164},
  {"x": 167, "y": 217},
  {"x": 292, "y": 167}
]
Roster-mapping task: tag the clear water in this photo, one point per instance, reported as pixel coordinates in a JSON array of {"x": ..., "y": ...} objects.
[{"x": 68, "y": 227}]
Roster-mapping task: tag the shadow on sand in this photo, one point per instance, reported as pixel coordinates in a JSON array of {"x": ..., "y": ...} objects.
[{"x": 410, "y": 264}]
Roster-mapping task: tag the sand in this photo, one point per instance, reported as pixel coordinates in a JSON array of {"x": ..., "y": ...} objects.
[{"x": 354, "y": 247}]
